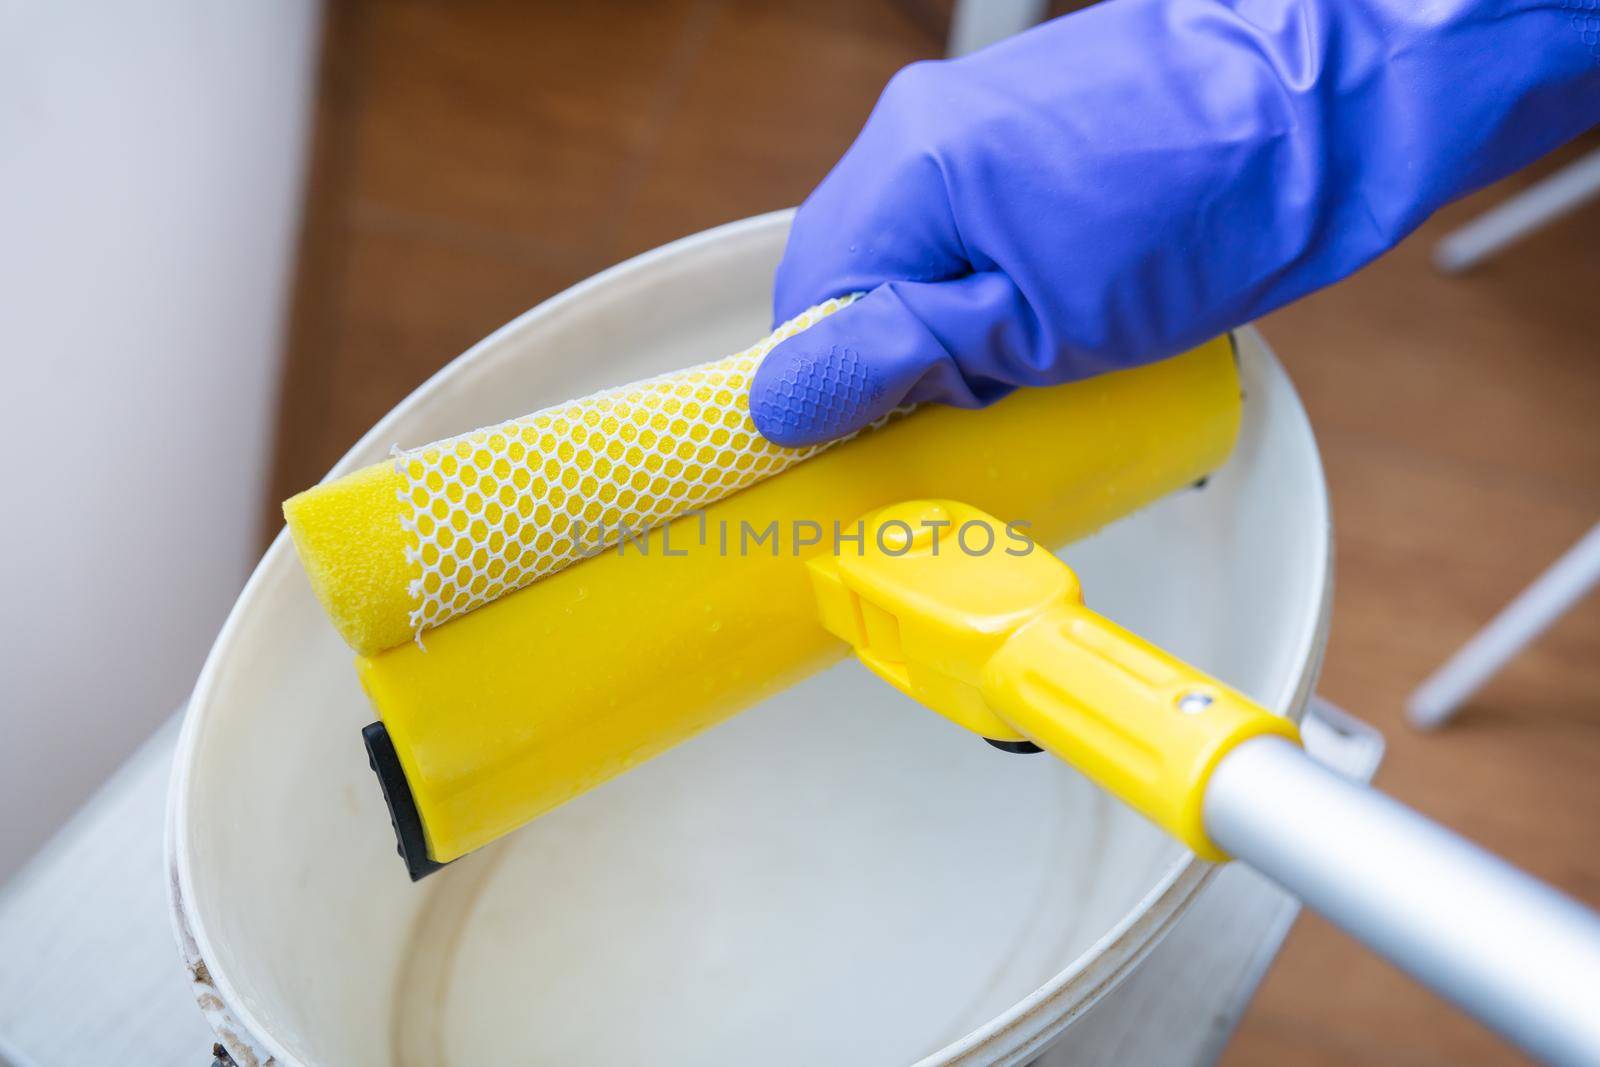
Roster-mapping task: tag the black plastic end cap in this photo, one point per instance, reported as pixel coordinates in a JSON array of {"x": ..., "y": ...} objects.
[
  {"x": 1021, "y": 748},
  {"x": 403, "y": 814}
]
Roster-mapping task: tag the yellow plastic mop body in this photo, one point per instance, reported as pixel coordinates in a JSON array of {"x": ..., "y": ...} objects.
[
  {"x": 509, "y": 711},
  {"x": 1000, "y": 642}
]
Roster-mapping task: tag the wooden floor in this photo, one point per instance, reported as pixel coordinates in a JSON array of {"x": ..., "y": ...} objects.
[{"x": 474, "y": 158}]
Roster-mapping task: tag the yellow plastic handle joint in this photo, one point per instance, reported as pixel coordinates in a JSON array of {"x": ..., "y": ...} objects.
[{"x": 967, "y": 615}]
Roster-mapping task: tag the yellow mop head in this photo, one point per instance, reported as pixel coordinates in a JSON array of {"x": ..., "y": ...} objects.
[
  {"x": 398, "y": 548},
  {"x": 550, "y": 687}
]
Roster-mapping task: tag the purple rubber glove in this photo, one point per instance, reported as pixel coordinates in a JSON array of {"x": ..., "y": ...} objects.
[{"x": 1124, "y": 183}]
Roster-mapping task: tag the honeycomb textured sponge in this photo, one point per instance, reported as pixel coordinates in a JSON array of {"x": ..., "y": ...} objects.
[{"x": 403, "y": 547}]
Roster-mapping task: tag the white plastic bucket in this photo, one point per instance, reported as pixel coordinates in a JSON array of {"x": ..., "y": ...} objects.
[{"x": 835, "y": 876}]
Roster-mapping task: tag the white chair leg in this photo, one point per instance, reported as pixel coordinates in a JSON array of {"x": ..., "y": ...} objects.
[
  {"x": 1529, "y": 210},
  {"x": 1517, "y": 625},
  {"x": 977, "y": 24}
]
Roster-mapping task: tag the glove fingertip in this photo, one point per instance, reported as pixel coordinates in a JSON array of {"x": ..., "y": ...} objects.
[{"x": 815, "y": 387}]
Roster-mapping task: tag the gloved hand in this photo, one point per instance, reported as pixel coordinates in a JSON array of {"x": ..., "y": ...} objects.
[{"x": 1126, "y": 182}]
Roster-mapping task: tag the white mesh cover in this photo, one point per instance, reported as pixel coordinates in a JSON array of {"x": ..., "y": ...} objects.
[{"x": 492, "y": 510}]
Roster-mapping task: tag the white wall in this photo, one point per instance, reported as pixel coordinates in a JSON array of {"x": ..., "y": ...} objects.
[{"x": 151, "y": 160}]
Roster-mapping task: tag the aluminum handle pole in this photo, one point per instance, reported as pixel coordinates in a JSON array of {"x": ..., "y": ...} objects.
[{"x": 1502, "y": 945}]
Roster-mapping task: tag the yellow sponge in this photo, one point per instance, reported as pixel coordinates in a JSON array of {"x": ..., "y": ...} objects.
[
  {"x": 353, "y": 548},
  {"x": 549, "y": 691},
  {"x": 401, "y": 547}
]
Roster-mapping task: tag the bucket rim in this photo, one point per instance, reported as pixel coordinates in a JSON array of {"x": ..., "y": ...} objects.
[{"x": 1013, "y": 1036}]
